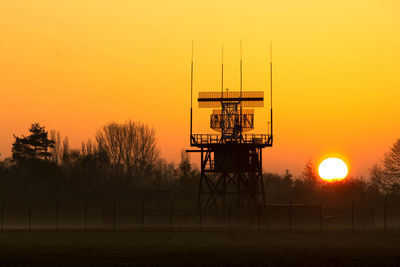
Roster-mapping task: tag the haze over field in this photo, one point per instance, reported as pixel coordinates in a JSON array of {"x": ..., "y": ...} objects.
[{"x": 75, "y": 65}]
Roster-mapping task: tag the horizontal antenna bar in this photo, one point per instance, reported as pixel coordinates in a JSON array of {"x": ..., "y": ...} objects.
[{"x": 207, "y": 99}]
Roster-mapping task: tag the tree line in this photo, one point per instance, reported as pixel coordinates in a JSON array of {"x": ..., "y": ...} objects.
[{"x": 125, "y": 157}]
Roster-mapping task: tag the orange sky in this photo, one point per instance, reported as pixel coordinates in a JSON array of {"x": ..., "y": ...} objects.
[{"x": 75, "y": 65}]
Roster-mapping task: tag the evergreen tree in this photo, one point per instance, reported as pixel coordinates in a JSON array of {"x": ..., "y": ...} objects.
[
  {"x": 35, "y": 146},
  {"x": 309, "y": 174},
  {"x": 187, "y": 179}
]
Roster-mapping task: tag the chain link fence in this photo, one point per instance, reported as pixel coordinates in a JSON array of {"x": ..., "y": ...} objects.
[{"x": 148, "y": 216}]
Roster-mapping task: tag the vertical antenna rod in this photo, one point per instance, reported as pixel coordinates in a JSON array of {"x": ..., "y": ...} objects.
[
  {"x": 191, "y": 96},
  {"x": 241, "y": 72},
  {"x": 222, "y": 94},
  {"x": 222, "y": 73},
  {"x": 270, "y": 69},
  {"x": 241, "y": 68}
]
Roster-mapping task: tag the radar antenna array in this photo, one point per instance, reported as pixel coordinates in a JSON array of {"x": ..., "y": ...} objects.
[{"x": 231, "y": 159}]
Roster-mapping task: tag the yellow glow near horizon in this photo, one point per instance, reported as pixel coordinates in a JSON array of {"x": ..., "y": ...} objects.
[{"x": 333, "y": 169}]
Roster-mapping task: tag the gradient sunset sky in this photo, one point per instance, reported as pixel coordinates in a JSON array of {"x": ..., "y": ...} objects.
[{"x": 76, "y": 65}]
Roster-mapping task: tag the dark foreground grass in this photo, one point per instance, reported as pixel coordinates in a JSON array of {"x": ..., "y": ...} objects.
[{"x": 198, "y": 249}]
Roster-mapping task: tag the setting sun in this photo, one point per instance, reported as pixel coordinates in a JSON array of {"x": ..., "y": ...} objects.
[{"x": 332, "y": 169}]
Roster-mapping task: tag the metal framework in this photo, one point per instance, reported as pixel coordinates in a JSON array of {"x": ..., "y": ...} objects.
[{"x": 231, "y": 160}]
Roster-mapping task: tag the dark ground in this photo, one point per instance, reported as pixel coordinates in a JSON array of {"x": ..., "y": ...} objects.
[{"x": 198, "y": 249}]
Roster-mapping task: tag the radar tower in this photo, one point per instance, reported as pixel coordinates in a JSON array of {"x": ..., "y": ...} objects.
[{"x": 231, "y": 159}]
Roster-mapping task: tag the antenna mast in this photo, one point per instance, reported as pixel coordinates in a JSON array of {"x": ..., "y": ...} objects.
[
  {"x": 191, "y": 95},
  {"x": 241, "y": 87},
  {"x": 222, "y": 72},
  {"x": 270, "y": 69}
]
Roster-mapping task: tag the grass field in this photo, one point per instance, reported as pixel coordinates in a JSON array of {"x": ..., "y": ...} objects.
[{"x": 198, "y": 249}]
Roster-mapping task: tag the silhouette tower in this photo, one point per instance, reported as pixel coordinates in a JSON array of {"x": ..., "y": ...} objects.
[{"x": 231, "y": 159}]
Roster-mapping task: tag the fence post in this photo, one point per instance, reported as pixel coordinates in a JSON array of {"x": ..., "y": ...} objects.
[
  {"x": 142, "y": 218},
  {"x": 114, "y": 216},
  {"x": 385, "y": 215},
  {"x": 259, "y": 217},
  {"x": 171, "y": 214},
  {"x": 230, "y": 217},
  {"x": 320, "y": 217},
  {"x": 200, "y": 218},
  {"x": 85, "y": 215},
  {"x": 30, "y": 216},
  {"x": 290, "y": 215},
  {"x": 352, "y": 216},
  {"x": 2, "y": 216},
  {"x": 57, "y": 204}
]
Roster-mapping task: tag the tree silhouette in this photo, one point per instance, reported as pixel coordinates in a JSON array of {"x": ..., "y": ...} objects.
[
  {"x": 186, "y": 184},
  {"x": 32, "y": 147},
  {"x": 185, "y": 167},
  {"x": 377, "y": 181},
  {"x": 391, "y": 169},
  {"x": 131, "y": 146},
  {"x": 124, "y": 158},
  {"x": 56, "y": 151},
  {"x": 309, "y": 174}
]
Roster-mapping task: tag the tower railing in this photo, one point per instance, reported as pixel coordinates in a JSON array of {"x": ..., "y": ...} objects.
[{"x": 213, "y": 139}]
